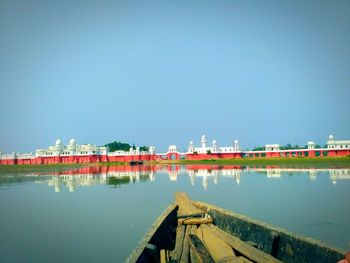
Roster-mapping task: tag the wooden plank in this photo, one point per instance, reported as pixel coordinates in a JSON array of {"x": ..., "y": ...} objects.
[
  {"x": 180, "y": 234},
  {"x": 162, "y": 256},
  {"x": 194, "y": 221},
  {"x": 200, "y": 253},
  {"x": 193, "y": 231},
  {"x": 243, "y": 248},
  {"x": 192, "y": 215},
  {"x": 217, "y": 248},
  {"x": 234, "y": 260},
  {"x": 186, "y": 208},
  {"x": 185, "y": 256}
]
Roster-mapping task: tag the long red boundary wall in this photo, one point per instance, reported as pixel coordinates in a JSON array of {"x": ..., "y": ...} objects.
[
  {"x": 154, "y": 157},
  {"x": 79, "y": 159}
]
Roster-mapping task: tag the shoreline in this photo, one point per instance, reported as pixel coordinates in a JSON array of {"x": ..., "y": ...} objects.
[{"x": 332, "y": 162}]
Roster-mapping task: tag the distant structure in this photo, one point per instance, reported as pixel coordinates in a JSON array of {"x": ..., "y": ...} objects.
[
  {"x": 77, "y": 153},
  {"x": 337, "y": 147},
  {"x": 213, "y": 152},
  {"x": 91, "y": 153}
]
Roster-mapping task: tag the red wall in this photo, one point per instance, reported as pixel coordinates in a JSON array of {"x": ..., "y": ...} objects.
[
  {"x": 149, "y": 157},
  {"x": 213, "y": 156}
]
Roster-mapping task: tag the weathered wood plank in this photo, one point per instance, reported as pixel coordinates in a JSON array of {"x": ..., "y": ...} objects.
[
  {"x": 240, "y": 246},
  {"x": 199, "y": 251},
  {"x": 180, "y": 235},
  {"x": 186, "y": 208},
  {"x": 234, "y": 260},
  {"x": 193, "y": 231},
  {"x": 217, "y": 248},
  {"x": 162, "y": 256},
  {"x": 194, "y": 221},
  {"x": 185, "y": 256}
]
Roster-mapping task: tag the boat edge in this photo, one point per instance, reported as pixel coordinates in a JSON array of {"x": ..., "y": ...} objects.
[
  {"x": 136, "y": 253},
  {"x": 208, "y": 207}
]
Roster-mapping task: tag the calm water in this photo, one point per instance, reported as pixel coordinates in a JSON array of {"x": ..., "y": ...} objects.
[{"x": 100, "y": 215}]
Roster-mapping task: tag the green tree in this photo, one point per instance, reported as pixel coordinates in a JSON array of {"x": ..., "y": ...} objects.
[
  {"x": 260, "y": 148},
  {"x": 118, "y": 146},
  {"x": 144, "y": 148},
  {"x": 123, "y": 146}
]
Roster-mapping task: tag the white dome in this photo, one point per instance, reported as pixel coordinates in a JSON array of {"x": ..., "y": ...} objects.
[
  {"x": 191, "y": 142},
  {"x": 214, "y": 141},
  {"x": 172, "y": 147},
  {"x": 58, "y": 142},
  {"x": 204, "y": 139},
  {"x": 236, "y": 141},
  {"x": 331, "y": 137},
  {"x": 72, "y": 141}
]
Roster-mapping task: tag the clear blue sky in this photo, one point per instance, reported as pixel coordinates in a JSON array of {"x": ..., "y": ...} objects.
[{"x": 165, "y": 72}]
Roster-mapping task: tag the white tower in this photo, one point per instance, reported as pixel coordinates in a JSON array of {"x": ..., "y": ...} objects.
[
  {"x": 311, "y": 145},
  {"x": 236, "y": 146},
  {"x": 152, "y": 149},
  {"x": 214, "y": 146},
  {"x": 72, "y": 145},
  {"x": 204, "y": 141},
  {"x": 191, "y": 147}
]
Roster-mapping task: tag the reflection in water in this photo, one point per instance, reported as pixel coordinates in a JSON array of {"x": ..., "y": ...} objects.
[{"x": 121, "y": 175}]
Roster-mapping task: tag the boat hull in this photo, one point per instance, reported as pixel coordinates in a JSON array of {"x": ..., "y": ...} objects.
[
  {"x": 278, "y": 242},
  {"x": 160, "y": 236}
]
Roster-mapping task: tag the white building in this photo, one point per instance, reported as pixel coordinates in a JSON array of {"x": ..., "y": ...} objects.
[
  {"x": 72, "y": 149},
  {"x": 204, "y": 149},
  {"x": 272, "y": 147},
  {"x": 334, "y": 144}
]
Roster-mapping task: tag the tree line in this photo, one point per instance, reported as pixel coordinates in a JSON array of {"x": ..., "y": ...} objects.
[{"x": 123, "y": 146}]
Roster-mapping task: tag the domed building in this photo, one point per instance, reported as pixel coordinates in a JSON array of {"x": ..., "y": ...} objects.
[
  {"x": 213, "y": 152},
  {"x": 338, "y": 147},
  {"x": 71, "y": 153}
]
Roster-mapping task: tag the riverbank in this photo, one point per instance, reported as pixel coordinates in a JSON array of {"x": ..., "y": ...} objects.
[
  {"x": 316, "y": 162},
  {"x": 51, "y": 167},
  {"x": 329, "y": 162}
]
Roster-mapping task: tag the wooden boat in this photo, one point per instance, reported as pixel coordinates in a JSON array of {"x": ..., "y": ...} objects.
[{"x": 198, "y": 232}]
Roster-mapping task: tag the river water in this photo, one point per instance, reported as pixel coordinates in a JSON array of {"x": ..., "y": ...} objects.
[{"x": 100, "y": 214}]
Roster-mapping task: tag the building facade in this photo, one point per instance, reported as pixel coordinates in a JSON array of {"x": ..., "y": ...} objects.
[{"x": 91, "y": 153}]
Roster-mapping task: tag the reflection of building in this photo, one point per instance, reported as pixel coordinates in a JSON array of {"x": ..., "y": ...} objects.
[
  {"x": 234, "y": 173},
  {"x": 74, "y": 181},
  {"x": 207, "y": 172},
  {"x": 334, "y": 174},
  {"x": 339, "y": 174},
  {"x": 122, "y": 175},
  {"x": 273, "y": 173},
  {"x": 89, "y": 176},
  {"x": 312, "y": 174},
  {"x": 172, "y": 175}
]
